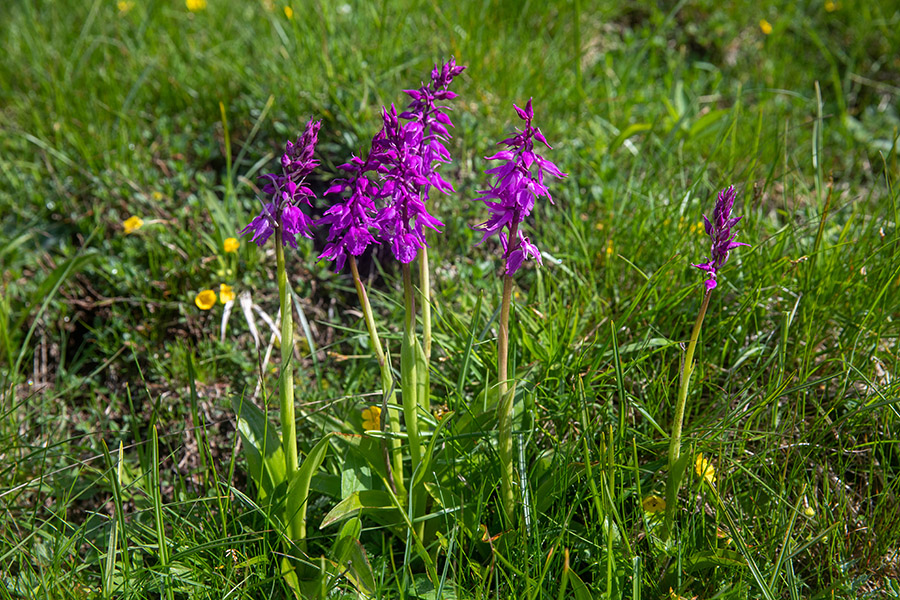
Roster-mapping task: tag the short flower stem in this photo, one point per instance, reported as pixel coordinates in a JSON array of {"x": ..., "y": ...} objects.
[
  {"x": 676, "y": 470},
  {"x": 387, "y": 379},
  {"x": 286, "y": 389},
  {"x": 507, "y": 390}
]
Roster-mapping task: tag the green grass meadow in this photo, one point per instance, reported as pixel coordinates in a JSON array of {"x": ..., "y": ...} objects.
[{"x": 122, "y": 474}]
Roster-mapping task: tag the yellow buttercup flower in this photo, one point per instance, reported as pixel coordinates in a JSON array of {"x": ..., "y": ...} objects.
[
  {"x": 289, "y": 12},
  {"x": 653, "y": 504},
  {"x": 124, "y": 6},
  {"x": 226, "y": 294},
  {"x": 205, "y": 300},
  {"x": 231, "y": 244},
  {"x": 132, "y": 224},
  {"x": 195, "y": 5},
  {"x": 831, "y": 6},
  {"x": 765, "y": 26},
  {"x": 704, "y": 469},
  {"x": 371, "y": 418}
]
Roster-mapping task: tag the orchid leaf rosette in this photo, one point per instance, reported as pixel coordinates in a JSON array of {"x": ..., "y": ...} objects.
[
  {"x": 722, "y": 234},
  {"x": 519, "y": 180}
]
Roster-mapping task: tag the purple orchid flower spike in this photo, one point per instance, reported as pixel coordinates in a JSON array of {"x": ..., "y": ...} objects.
[
  {"x": 719, "y": 231},
  {"x": 516, "y": 188},
  {"x": 403, "y": 161},
  {"x": 287, "y": 190}
]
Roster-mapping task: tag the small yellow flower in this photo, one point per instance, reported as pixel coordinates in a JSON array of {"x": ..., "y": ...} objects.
[
  {"x": 609, "y": 249},
  {"x": 653, "y": 504},
  {"x": 809, "y": 511},
  {"x": 831, "y": 6},
  {"x": 372, "y": 418},
  {"x": 205, "y": 300},
  {"x": 231, "y": 244},
  {"x": 765, "y": 27},
  {"x": 195, "y": 5},
  {"x": 132, "y": 224},
  {"x": 124, "y": 6},
  {"x": 226, "y": 294},
  {"x": 704, "y": 469},
  {"x": 289, "y": 12}
]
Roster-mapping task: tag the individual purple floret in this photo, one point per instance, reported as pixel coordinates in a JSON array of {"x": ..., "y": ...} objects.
[
  {"x": 719, "y": 231},
  {"x": 516, "y": 188},
  {"x": 287, "y": 190}
]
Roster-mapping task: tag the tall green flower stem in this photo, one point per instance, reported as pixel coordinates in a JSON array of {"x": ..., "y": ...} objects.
[
  {"x": 296, "y": 527},
  {"x": 387, "y": 378},
  {"x": 409, "y": 390},
  {"x": 507, "y": 389},
  {"x": 677, "y": 464},
  {"x": 425, "y": 286},
  {"x": 424, "y": 353}
]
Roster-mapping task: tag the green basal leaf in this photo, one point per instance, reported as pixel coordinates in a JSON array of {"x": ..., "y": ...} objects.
[
  {"x": 298, "y": 491},
  {"x": 262, "y": 448},
  {"x": 356, "y": 503}
]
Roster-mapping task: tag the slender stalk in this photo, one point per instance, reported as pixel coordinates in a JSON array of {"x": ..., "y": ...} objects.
[
  {"x": 504, "y": 406},
  {"x": 408, "y": 374},
  {"x": 424, "y": 372},
  {"x": 409, "y": 392},
  {"x": 286, "y": 388},
  {"x": 425, "y": 286},
  {"x": 387, "y": 379},
  {"x": 676, "y": 471}
]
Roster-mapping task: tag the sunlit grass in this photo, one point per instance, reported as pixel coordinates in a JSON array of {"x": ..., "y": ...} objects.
[{"x": 111, "y": 112}]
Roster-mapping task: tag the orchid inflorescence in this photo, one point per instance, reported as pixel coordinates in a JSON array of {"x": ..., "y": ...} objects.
[
  {"x": 516, "y": 188},
  {"x": 287, "y": 191},
  {"x": 719, "y": 231},
  {"x": 403, "y": 160}
]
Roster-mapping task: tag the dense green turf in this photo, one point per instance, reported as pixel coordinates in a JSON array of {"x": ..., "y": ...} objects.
[{"x": 148, "y": 109}]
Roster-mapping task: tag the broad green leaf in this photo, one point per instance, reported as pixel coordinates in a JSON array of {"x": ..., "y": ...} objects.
[
  {"x": 265, "y": 457},
  {"x": 581, "y": 591},
  {"x": 350, "y": 557},
  {"x": 349, "y": 532},
  {"x": 356, "y": 503},
  {"x": 369, "y": 449},
  {"x": 298, "y": 491},
  {"x": 356, "y": 475}
]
